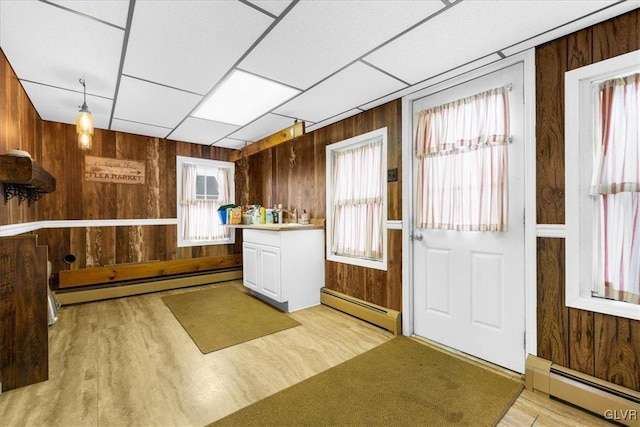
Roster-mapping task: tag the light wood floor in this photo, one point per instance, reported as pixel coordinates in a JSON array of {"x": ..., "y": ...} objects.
[{"x": 129, "y": 362}]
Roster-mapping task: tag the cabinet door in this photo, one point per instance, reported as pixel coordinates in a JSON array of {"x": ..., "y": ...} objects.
[
  {"x": 250, "y": 265},
  {"x": 270, "y": 284}
]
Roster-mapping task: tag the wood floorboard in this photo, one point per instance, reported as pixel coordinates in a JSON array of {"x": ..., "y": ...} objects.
[{"x": 128, "y": 361}]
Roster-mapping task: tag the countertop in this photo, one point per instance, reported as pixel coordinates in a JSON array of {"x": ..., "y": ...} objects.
[{"x": 288, "y": 226}]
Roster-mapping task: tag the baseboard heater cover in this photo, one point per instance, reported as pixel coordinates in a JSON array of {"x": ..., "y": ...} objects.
[
  {"x": 385, "y": 318},
  {"x": 608, "y": 400},
  {"x": 146, "y": 286}
]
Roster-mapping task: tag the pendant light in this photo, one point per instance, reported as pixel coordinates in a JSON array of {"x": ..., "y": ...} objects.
[{"x": 84, "y": 122}]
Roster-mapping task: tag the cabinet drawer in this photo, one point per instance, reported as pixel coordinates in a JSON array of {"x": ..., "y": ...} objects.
[{"x": 262, "y": 237}]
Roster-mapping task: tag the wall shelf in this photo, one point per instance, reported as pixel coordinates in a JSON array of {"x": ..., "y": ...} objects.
[{"x": 23, "y": 178}]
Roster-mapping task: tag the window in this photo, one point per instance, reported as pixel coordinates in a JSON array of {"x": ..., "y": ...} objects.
[
  {"x": 461, "y": 149},
  {"x": 603, "y": 186},
  {"x": 202, "y": 187},
  {"x": 356, "y": 200}
]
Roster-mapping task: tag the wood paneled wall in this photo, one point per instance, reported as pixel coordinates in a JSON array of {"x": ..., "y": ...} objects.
[
  {"x": 76, "y": 198},
  {"x": 606, "y": 347},
  {"x": 268, "y": 178},
  {"x": 53, "y": 145},
  {"x": 20, "y": 128}
]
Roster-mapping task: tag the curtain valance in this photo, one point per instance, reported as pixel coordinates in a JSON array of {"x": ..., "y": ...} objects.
[{"x": 474, "y": 122}]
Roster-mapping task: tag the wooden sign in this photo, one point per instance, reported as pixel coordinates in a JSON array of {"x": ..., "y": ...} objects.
[{"x": 102, "y": 169}]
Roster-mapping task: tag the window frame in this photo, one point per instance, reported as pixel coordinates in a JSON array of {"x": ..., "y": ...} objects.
[
  {"x": 350, "y": 143},
  {"x": 206, "y": 164},
  {"x": 580, "y": 208}
]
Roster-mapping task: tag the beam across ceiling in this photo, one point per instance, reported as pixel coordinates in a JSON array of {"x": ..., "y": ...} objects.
[{"x": 287, "y": 134}]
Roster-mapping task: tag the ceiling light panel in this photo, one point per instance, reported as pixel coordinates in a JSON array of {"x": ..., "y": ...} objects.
[
  {"x": 201, "y": 131},
  {"x": 139, "y": 128},
  {"x": 61, "y": 105},
  {"x": 49, "y": 45},
  {"x": 114, "y": 11},
  {"x": 274, "y": 7},
  {"x": 242, "y": 97},
  {"x": 262, "y": 127},
  {"x": 316, "y": 38},
  {"x": 347, "y": 89},
  {"x": 144, "y": 102},
  {"x": 190, "y": 45},
  {"x": 471, "y": 30}
]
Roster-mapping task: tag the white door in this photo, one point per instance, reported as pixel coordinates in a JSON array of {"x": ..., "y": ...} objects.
[{"x": 469, "y": 286}]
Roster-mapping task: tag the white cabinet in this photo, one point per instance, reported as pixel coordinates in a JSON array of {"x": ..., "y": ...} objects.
[{"x": 284, "y": 268}]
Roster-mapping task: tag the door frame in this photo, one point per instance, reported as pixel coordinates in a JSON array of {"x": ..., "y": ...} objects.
[{"x": 440, "y": 83}]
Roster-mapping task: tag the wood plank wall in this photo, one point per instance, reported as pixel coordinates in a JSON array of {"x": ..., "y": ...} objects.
[
  {"x": 53, "y": 145},
  {"x": 606, "y": 347},
  {"x": 268, "y": 178},
  {"x": 20, "y": 128}
]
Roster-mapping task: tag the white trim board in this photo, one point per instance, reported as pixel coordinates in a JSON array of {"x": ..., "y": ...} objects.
[
  {"x": 27, "y": 227},
  {"x": 558, "y": 231}
]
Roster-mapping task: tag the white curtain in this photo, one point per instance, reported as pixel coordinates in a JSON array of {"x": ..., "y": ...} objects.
[
  {"x": 461, "y": 149},
  {"x": 358, "y": 201},
  {"x": 200, "y": 219},
  {"x": 616, "y": 186}
]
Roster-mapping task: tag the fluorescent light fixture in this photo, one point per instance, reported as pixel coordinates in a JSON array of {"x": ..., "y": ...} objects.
[{"x": 242, "y": 97}]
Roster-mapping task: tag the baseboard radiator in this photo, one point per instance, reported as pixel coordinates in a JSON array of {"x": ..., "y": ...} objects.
[
  {"x": 385, "y": 318},
  {"x": 603, "y": 398},
  {"x": 126, "y": 289}
]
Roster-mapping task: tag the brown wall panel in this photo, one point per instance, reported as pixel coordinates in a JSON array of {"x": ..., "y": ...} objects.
[
  {"x": 607, "y": 347},
  {"x": 20, "y": 128},
  {"x": 617, "y": 349},
  {"x": 550, "y": 131},
  {"x": 553, "y": 320}
]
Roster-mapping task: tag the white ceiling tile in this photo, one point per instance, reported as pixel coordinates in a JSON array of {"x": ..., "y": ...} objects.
[
  {"x": 432, "y": 81},
  {"x": 470, "y": 30},
  {"x": 201, "y": 131},
  {"x": 333, "y": 119},
  {"x": 262, "y": 127},
  {"x": 157, "y": 105},
  {"x": 112, "y": 11},
  {"x": 230, "y": 143},
  {"x": 274, "y": 7},
  {"x": 139, "y": 128},
  {"x": 61, "y": 105},
  {"x": 190, "y": 44},
  {"x": 351, "y": 87},
  {"x": 617, "y": 9},
  {"x": 316, "y": 38},
  {"x": 46, "y": 44}
]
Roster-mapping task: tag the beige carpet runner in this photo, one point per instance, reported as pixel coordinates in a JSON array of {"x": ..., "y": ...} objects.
[
  {"x": 224, "y": 316},
  {"x": 399, "y": 383}
]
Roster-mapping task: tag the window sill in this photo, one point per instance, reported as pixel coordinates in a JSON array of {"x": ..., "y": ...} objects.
[
  {"x": 366, "y": 263},
  {"x": 604, "y": 306}
]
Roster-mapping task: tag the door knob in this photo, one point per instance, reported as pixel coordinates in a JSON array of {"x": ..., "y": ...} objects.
[{"x": 417, "y": 237}]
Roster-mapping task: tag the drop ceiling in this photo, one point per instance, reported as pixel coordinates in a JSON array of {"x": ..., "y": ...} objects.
[{"x": 148, "y": 64}]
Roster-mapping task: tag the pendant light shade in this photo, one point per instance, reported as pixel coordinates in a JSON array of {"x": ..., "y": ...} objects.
[{"x": 84, "y": 123}]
